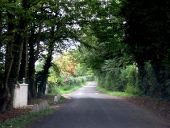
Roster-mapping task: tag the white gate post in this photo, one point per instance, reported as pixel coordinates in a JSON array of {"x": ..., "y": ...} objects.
[{"x": 20, "y": 95}]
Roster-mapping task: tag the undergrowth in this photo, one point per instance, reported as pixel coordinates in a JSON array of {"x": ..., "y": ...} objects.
[{"x": 20, "y": 122}]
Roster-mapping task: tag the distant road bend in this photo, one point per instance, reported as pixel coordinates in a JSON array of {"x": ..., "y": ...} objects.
[{"x": 89, "y": 108}]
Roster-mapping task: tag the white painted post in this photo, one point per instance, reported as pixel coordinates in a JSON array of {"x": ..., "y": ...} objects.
[{"x": 20, "y": 95}]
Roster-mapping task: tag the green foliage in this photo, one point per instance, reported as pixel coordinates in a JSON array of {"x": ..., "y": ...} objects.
[
  {"x": 146, "y": 36},
  {"x": 39, "y": 66},
  {"x": 128, "y": 53},
  {"x": 68, "y": 73},
  {"x": 68, "y": 84},
  {"x": 114, "y": 93},
  {"x": 54, "y": 75},
  {"x": 67, "y": 63},
  {"x": 20, "y": 122},
  {"x": 82, "y": 70},
  {"x": 151, "y": 80},
  {"x": 134, "y": 90},
  {"x": 129, "y": 77},
  {"x": 120, "y": 79},
  {"x": 124, "y": 43},
  {"x": 90, "y": 77}
]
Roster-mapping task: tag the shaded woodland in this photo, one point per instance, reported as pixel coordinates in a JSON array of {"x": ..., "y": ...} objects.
[{"x": 124, "y": 43}]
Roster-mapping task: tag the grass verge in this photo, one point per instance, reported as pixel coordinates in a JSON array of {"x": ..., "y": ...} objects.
[
  {"x": 20, "y": 122},
  {"x": 62, "y": 90},
  {"x": 114, "y": 93}
]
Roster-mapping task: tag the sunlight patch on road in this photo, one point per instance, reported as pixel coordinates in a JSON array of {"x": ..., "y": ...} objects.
[{"x": 79, "y": 93}]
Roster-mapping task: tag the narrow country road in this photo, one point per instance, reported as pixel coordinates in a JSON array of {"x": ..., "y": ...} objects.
[{"x": 89, "y": 108}]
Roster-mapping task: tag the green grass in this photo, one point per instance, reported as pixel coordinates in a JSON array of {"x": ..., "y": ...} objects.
[
  {"x": 65, "y": 90},
  {"x": 21, "y": 121},
  {"x": 62, "y": 90},
  {"x": 113, "y": 93}
]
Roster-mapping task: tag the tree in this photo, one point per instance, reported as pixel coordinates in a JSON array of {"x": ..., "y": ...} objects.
[
  {"x": 147, "y": 30},
  {"x": 67, "y": 64}
]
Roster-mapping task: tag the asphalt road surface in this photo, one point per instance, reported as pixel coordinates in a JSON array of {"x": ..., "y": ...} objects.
[{"x": 89, "y": 108}]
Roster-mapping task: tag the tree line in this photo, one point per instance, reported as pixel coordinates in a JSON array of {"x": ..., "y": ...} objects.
[
  {"x": 32, "y": 30},
  {"x": 115, "y": 36},
  {"x": 130, "y": 41}
]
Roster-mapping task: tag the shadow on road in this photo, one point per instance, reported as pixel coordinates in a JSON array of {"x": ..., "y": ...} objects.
[{"x": 89, "y": 108}]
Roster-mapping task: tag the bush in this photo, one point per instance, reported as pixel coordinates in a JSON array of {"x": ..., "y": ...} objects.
[
  {"x": 67, "y": 83},
  {"x": 133, "y": 90},
  {"x": 121, "y": 79},
  {"x": 22, "y": 121},
  {"x": 130, "y": 79},
  {"x": 90, "y": 78},
  {"x": 110, "y": 80},
  {"x": 151, "y": 82}
]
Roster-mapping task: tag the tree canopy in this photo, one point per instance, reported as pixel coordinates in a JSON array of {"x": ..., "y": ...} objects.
[{"x": 125, "y": 43}]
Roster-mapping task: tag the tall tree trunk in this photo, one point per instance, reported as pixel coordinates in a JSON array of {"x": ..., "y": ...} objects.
[
  {"x": 31, "y": 71},
  {"x": 17, "y": 51},
  {"x": 47, "y": 65},
  {"x": 159, "y": 75},
  {"x": 33, "y": 56},
  {"x": 14, "y": 51},
  {"x": 0, "y": 20},
  {"x": 24, "y": 61},
  {"x": 143, "y": 85},
  {"x": 13, "y": 78},
  {"x": 5, "y": 93}
]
